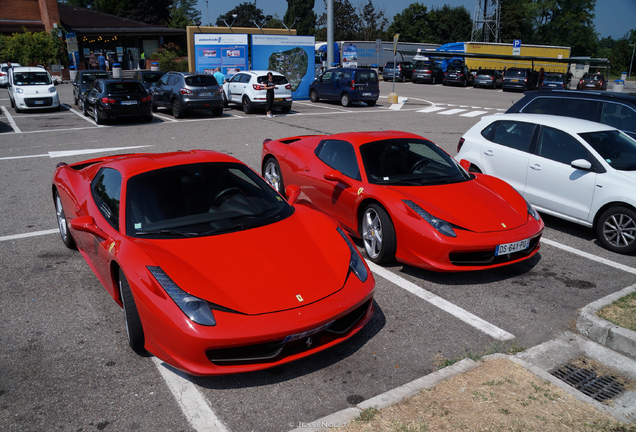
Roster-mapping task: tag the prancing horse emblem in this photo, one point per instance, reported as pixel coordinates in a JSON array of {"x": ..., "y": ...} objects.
[
  {"x": 309, "y": 342},
  {"x": 299, "y": 298}
]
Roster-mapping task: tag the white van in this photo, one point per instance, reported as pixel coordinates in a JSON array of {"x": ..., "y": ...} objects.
[{"x": 32, "y": 88}]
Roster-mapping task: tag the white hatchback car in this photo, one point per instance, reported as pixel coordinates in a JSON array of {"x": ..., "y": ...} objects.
[
  {"x": 573, "y": 169},
  {"x": 247, "y": 88},
  {"x": 32, "y": 88},
  {"x": 4, "y": 72}
]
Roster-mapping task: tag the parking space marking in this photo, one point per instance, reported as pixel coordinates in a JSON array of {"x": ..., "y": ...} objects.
[
  {"x": 67, "y": 153},
  {"x": 431, "y": 109},
  {"x": 324, "y": 106},
  {"x": 452, "y": 111},
  {"x": 193, "y": 404},
  {"x": 14, "y": 126},
  {"x": 31, "y": 234},
  {"x": 589, "y": 256},
  {"x": 473, "y": 113},
  {"x": 456, "y": 311}
]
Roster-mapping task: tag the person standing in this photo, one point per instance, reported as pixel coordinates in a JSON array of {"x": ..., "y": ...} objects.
[
  {"x": 269, "y": 101},
  {"x": 142, "y": 60},
  {"x": 102, "y": 61},
  {"x": 92, "y": 60},
  {"x": 220, "y": 78},
  {"x": 131, "y": 60}
]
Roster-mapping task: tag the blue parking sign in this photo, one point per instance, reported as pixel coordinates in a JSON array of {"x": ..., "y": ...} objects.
[{"x": 516, "y": 43}]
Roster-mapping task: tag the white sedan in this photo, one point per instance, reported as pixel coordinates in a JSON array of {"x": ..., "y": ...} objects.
[{"x": 573, "y": 169}]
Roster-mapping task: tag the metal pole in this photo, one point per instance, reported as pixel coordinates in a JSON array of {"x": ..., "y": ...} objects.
[
  {"x": 329, "y": 33},
  {"x": 631, "y": 62}
]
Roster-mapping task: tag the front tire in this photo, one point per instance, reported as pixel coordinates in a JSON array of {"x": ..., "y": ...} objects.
[
  {"x": 616, "y": 229},
  {"x": 62, "y": 223},
  {"x": 134, "y": 329},
  {"x": 378, "y": 234},
  {"x": 273, "y": 175}
]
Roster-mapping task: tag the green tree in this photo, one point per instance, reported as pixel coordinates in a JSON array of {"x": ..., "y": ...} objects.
[
  {"x": 411, "y": 24},
  {"x": 245, "y": 12},
  {"x": 372, "y": 24},
  {"x": 300, "y": 13},
  {"x": 183, "y": 13},
  {"x": 29, "y": 48},
  {"x": 346, "y": 22},
  {"x": 449, "y": 24},
  {"x": 516, "y": 20},
  {"x": 566, "y": 23}
]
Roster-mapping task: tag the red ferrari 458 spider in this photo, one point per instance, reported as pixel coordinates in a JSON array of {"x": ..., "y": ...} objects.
[
  {"x": 407, "y": 199},
  {"x": 215, "y": 271}
]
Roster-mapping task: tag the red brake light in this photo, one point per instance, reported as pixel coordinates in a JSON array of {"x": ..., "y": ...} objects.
[
  {"x": 258, "y": 86},
  {"x": 106, "y": 100},
  {"x": 353, "y": 84},
  {"x": 460, "y": 144},
  {"x": 288, "y": 86},
  {"x": 146, "y": 98},
  {"x": 185, "y": 91}
]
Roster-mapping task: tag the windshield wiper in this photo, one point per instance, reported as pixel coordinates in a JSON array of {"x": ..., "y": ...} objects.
[{"x": 167, "y": 232}]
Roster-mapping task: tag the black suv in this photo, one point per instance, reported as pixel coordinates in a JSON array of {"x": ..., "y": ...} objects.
[
  {"x": 402, "y": 72},
  {"x": 613, "y": 109},
  {"x": 186, "y": 91},
  {"x": 427, "y": 71}
]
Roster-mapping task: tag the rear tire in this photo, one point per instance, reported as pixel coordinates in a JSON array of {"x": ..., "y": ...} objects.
[
  {"x": 217, "y": 112},
  {"x": 313, "y": 96},
  {"x": 134, "y": 329},
  {"x": 345, "y": 100},
  {"x": 247, "y": 105},
  {"x": 177, "y": 110}
]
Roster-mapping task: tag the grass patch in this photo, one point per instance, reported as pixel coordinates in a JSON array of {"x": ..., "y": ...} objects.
[
  {"x": 498, "y": 347},
  {"x": 621, "y": 312}
]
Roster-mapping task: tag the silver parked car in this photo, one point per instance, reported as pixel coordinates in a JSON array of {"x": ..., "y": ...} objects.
[{"x": 186, "y": 91}]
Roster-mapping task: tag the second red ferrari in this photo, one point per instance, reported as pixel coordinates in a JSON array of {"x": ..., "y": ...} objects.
[{"x": 407, "y": 199}]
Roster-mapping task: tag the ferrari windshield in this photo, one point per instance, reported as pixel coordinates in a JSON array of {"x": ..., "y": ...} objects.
[
  {"x": 200, "y": 199},
  {"x": 411, "y": 162},
  {"x": 617, "y": 148}
]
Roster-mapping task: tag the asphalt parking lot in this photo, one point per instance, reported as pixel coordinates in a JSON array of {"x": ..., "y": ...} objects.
[{"x": 65, "y": 362}]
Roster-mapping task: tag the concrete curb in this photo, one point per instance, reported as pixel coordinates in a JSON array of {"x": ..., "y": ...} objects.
[
  {"x": 604, "y": 332},
  {"x": 388, "y": 398}
]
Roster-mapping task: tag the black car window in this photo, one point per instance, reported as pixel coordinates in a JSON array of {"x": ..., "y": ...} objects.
[
  {"x": 542, "y": 105},
  {"x": 560, "y": 146},
  {"x": 326, "y": 77},
  {"x": 277, "y": 79},
  {"x": 163, "y": 80},
  {"x": 513, "y": 134},
  {"x": 236, "y": 78},
  {"x": 173, "y": 80},
  {"x": 125, "y": 87},
  {"x": 619, "y": 116},
  {"x": 363, "y": 77},
  {"x": 579, "y": 108},
  {"x": 339, "y": 155},
  {"x": 106, "y": 190},
  {"x": 245, "y": 78},
  {"x": 150, "y": 77},
  {"x": 200, "y": 81},
  {"x": 616, "y": 148}
]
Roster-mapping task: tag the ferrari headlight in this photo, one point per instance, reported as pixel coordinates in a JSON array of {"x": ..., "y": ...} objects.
[
  {"x": 532, "y": 212},
  {"x": 355, "y": 263},
  {"x": 439, "y": 224},
  {"x": 195, "y": 308}
]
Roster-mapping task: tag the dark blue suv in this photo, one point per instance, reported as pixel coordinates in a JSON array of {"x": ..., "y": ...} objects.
[{"x": 346, "y": 85}]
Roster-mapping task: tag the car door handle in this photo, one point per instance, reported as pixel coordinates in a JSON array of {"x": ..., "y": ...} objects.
[
  {"x": 535, "y": 167},
  {"x": 489, "y": 153}
]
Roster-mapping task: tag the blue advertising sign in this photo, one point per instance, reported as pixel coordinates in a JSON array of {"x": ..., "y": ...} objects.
[
  {"x": 227, "y": 51},
  {"x": 292, "y": 56}
]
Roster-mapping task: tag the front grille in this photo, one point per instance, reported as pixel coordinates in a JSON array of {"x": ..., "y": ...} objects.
[
  {"x": 275, "y": 350},
  {"x": 589, "y": 383},
  {"x": 489, "y": 257},
  {"x": 39, "y": 102}
]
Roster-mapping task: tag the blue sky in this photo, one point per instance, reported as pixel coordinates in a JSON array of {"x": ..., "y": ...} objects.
[{"x": 613, "y": 17}]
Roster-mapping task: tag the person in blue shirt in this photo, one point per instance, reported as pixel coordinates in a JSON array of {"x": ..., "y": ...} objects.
[
  {"x": 220, "y": 78},
  {"x": 102, "y": 61}
]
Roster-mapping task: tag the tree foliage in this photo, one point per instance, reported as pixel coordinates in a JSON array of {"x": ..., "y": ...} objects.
[
  {"x": 373, "y": 24},
  {"x": 245, "y": 12},
  {"x": 183, "y": 13},
  {"x": 449, "y": 24},
  {"x": 29, "y": 48},
  {"x": 301, "y": 15},
  {"x": 411, "y": 24},
  {"x": 346, "y": 22}
]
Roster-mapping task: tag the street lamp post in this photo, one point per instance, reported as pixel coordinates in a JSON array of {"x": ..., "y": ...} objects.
[{"x": 631, "y": 62}]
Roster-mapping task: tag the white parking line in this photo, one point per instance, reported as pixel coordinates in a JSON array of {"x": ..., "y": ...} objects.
[
  {"x": 11, "y": 121},
  {"x": 431, "y": 109},
  {"x": 456, "y": 311},
  {"x": 589, "y": 256},
  {"x": 31, "y": 234},
  {"x": 193, "y": 404},
  {"x": 452, "y": 111},
  {"x": 473, "y": 113}
]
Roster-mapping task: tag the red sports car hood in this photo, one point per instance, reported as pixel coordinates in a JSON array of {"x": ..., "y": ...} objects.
[
  {"x": 285, "y": 265},
  {"x": 485, "y": 204}
]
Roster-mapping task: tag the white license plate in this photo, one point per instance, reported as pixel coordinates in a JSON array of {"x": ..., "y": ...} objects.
[
  {"x": 308, "y": 333},
  {"x": 366, "y": 94},
  {"x": 509, "y": 248},
  {"x": 127, "y": 102},
  {"x": 205, "y": 94}
]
